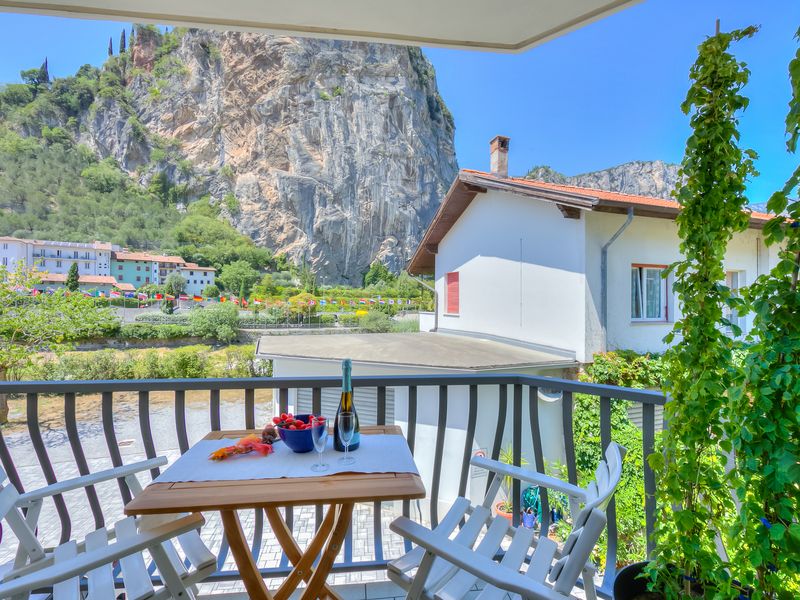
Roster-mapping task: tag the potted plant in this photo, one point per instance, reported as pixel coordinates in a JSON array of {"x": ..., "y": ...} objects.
[
  {"x": 694, "y": 502},
  {"x": 505, "y": 506}
]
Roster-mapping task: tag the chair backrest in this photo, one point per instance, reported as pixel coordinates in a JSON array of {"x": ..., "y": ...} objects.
[
  {"x": 606, "y": 477},
  {"x": 11, "y": 514},
  {"x": 577, "y": 551},
  {"x": 588, "y": 525}
]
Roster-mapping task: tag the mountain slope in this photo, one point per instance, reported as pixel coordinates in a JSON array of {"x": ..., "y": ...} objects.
[
  {"x": 332, "y": 153},
  {"x": 646, "y": 178}
]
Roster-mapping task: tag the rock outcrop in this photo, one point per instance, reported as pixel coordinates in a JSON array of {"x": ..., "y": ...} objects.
[
  {"x": 646, "y": 178},
  {"x": 336, "y": 152}
]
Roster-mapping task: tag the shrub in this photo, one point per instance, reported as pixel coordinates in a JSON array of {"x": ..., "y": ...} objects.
[
  {"x": 186, "y": 362},
  {"x": 348, "y": 320},
  {"x": 405, "y": 325},
  {"x": 148, "y": 331},
  {"x": 375, "y": 322},
  {"x": 162, "y": 319},
  {"x": 327, "y": 320},
  {"x": 219, "y": 321}
]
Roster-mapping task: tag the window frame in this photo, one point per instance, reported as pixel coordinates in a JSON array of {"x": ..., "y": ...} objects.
[{"x": 664, "y": 292}]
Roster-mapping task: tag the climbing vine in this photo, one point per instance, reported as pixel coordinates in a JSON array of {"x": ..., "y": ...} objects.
[
  {"x": 694, "y": 502},
  {"x": 765, "y": 424}
]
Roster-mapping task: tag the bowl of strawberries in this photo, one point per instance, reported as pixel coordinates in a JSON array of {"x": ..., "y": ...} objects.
[{"x": 295, "y": 430}]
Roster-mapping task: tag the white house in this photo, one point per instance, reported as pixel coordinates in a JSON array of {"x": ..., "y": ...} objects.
[
  {"x": 562, "y": 267},
  {"x": 57, "y": 257},
  {"x": 197, "y": 278}
]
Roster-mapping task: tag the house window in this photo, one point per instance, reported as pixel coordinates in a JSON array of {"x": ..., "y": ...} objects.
[
  {"x": 648, "y": 293},
  {"x": 86, "y": 265},
  {"x": 119, "y": 267},
  {"x": 58, "y": 264},
  {"x": 58, "y": 253},
  {"x": 5, "y": 261},
  {"x": 5, "y": 246},
  {"x": 138, "y": 268},
  {"x": 735, "y": 281},
  {"x": 452, "y": 293},
  {"x": 147, "y": 280},
  {"x": 138, "y": 278}
]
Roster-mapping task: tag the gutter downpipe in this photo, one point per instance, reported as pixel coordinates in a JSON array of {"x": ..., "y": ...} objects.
[
  {"x": 604, "y": 277},
  {"x": 435, "y": 302}
]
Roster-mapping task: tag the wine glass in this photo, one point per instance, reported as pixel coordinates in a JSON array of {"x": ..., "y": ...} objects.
[
  {"x": 347, "y": 428},
  {"x": 319, "y": 434}
]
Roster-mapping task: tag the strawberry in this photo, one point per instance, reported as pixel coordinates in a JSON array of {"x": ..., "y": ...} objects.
[
  {"x": 284, "y": 416},
  {"x": 276, "y": 420},
  {"x": 294, "y": 427}
]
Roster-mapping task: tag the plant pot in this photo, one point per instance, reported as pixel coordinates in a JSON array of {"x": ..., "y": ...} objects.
[
  {"x": 629, "y": 586},
  {"x": 501, "y": 513}
]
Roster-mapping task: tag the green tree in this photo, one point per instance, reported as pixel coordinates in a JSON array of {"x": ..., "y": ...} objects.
[
  {"x": 211, "y": 291},
  {"x": 218, "y": 321},
  {"x": 694, "y": 502},
  {"x": 174, "y": 284},
  {"x": 72, "y": 278},
  {"x": 42, "y": 323},
  {"x": 378, "y": 272},
  {"x": 238, "y": 277}
]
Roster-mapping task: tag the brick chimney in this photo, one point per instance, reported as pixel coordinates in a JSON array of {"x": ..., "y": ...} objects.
[{"x": 498, "y": 149}]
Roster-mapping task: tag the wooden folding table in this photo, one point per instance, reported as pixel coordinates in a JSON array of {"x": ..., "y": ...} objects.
[{"x": 340, "y": 491}]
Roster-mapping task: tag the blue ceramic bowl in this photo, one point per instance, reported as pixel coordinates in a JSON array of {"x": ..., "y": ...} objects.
[{"x": 298, "y": 440}]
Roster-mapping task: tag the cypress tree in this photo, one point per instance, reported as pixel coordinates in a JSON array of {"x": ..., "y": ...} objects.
[
  {"x": 44, "y": 74},
  {"x": 110, "y": 47},
  {"x": 72, "y": 278},
  {"x": 122, "y": 42}
]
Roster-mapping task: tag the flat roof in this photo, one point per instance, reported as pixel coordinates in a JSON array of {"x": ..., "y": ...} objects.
[
  {"x": 509, "y": 26},
  {"x": 424, "y": 350}
]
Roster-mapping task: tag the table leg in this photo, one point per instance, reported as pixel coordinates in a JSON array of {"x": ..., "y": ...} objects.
[
  {"x": 317, "y": 583},
  {"x": 303, "y": 561},
  {"x": 248, "y": 570}
]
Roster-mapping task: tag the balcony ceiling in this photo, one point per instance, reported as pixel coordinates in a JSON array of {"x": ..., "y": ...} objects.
[{"x": 506, "y": 26}]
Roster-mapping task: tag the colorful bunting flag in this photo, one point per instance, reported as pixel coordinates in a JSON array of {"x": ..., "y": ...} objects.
[
  {"x": 114, "y": 294},
  {"x": 183, "y": 297},
  {"x": 197, "y": 298}
]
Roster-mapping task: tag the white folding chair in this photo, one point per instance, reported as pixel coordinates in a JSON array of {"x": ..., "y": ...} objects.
[
  {"x": 448, "y": 561},
  {"x": 89, "y": 563}
]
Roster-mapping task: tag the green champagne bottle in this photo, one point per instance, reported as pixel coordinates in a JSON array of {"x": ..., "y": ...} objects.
[{"x": 346, "y": 404}]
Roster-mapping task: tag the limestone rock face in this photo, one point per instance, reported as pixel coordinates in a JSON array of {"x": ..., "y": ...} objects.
[
  {"x": 337, "y": 152},
  {"x": 645, "y": 178}
]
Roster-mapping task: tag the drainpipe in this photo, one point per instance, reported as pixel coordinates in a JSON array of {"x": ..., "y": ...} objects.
[
  {"x": 435, "y": 302},
  {"x": 604, "y": 277}
]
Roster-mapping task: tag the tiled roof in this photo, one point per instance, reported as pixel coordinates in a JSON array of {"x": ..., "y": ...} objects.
[
  {"x": 147, "y": 257},
  {"x": 570, "y": 199},
  {"x": 87, "y": 279},
  {"x": 125, "y": 287},
  {"x": 197, "y": 267}
]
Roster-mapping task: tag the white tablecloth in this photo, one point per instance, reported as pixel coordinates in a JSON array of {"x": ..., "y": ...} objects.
[{"x": 380, "y": 453}]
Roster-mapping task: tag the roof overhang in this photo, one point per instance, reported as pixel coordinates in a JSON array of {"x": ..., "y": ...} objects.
[
  {"x": 571, "y": 202},
  {"x": 465, "y": 188},
  {"x": 508, "y": 26}
]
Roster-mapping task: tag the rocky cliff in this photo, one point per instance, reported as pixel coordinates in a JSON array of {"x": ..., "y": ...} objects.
[
  {"x": 333, "y": 153},
  {"x": 646, "y": 178}
]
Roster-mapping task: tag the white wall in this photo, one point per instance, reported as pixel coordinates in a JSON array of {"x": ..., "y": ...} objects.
[
  {"x": 521, "y": 266},
  {"x": 427, "y": 321},
  {"x": 648, "y": 241},
  {"x": 12, "y": 253}
]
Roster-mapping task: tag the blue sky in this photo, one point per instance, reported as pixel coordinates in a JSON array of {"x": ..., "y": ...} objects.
[{"x": 605, "y": 94}]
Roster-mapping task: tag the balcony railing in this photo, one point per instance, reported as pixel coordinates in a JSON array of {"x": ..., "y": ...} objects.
[{"x": 430, "y": 408}]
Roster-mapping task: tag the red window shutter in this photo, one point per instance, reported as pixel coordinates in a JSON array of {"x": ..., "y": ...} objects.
[{"x": 452, "y": 293}]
